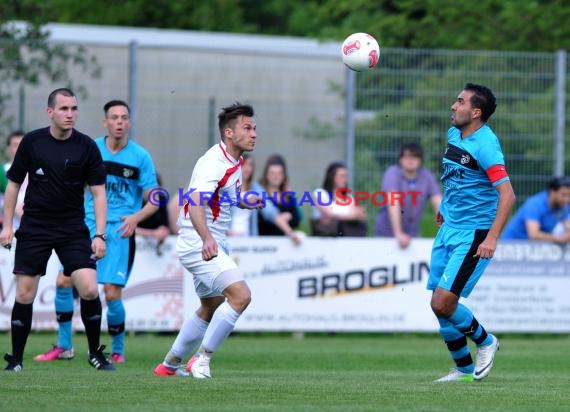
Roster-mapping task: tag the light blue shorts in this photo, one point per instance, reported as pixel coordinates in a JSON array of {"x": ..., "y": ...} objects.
[
  {"x": 115, "y": 267},
  {"x": 453, "y": 266}
]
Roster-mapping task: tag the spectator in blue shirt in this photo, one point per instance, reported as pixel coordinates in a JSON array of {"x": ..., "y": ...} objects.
[{"x": 544, "y": 216}]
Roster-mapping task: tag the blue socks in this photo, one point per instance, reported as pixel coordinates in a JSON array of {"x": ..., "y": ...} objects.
[
  {"x": 457, "y": 345},
  {"x": 64, "y": 305},
  {"x": 455, "y": 330},
  {"x": 116, "y": 325},
  {"x": 466, "y": 323}
]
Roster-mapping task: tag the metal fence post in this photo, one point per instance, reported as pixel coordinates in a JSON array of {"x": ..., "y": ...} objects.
[
  {"x": 22, "y": 107},
  {"x": 211, "y": 122},
  {"x": 133, "y": 72},
  {"x": 560, "y": 112},
  {"x": 349, "y": 124}
]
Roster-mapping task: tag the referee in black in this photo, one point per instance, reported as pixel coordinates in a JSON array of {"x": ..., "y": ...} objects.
[{"x": 59, "y": 161}]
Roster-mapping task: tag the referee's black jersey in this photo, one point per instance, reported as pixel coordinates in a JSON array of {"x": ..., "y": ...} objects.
[{"x": 58, "y": 171}]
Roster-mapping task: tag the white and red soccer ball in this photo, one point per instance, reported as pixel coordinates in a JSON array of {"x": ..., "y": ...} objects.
[{"x": 360, "y": 52}]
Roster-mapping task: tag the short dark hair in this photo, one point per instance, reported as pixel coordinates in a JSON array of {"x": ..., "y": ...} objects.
[
  {"x": 113, "y": 103},
  {"x": 483, "y": 98},
  {"x": 414, "y": 148},
  {"x": 14, "y": 134},
  {"x": 63, "y": 91},
  {"x": 557, "y": 182},
  {"x": 229, "y": 114}
]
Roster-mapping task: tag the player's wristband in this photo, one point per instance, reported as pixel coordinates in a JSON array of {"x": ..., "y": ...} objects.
[{"x": 101, "y": 236}]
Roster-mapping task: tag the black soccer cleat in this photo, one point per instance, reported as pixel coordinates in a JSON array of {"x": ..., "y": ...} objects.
[
  {"x": 14, "y": 365},
  {"x": 99, "y": 361}
]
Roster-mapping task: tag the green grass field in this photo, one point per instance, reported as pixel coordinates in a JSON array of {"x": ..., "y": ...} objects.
[{"x": 285, "y": 373}]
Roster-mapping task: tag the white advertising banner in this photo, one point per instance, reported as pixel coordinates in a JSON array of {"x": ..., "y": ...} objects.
[
  {"x": 153, "y": 297},
  {"x": 329, "y": 284},
  {"x": 332, "y": 284},
  {"x": 525, "y": 289}
]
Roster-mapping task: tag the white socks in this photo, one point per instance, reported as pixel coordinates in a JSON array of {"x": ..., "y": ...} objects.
[
  {"x": 220, "y": 327},
  {"x": 188, "y": 338},
  {"x": 195, "y": 329}
]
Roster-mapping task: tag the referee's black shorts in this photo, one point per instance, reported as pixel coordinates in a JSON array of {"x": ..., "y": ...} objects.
[{"x": 36, "y": 238}]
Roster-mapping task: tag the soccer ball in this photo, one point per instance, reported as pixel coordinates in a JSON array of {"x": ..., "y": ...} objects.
[{"x": 360, "y": 52}]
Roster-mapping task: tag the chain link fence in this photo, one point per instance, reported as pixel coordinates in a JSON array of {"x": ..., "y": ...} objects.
[
  {"x": 409, "y": 96},
  {"x": 176, "y": 84}
]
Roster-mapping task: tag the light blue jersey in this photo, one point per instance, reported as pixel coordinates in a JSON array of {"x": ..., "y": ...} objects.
[
  {"x": 129, "y": 173},
  {"x": 470, "y": 198}
]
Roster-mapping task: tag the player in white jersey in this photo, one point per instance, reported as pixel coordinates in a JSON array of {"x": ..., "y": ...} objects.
[
  {"x": 202, "y": 249},
  {"x": 216, "y": 177}
]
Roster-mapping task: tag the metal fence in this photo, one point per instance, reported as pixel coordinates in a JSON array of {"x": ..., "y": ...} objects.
[
  {"x": 408, "y": 98},
  {"x": 309, "y": 107}
]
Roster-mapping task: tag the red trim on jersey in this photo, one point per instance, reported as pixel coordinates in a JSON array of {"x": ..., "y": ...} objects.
[
  {"x": 215, "y": 201},
  {"x": 186, "y": 207},
  {"x": 496, "y": 173},
  {"x": 226, "y": 154}
]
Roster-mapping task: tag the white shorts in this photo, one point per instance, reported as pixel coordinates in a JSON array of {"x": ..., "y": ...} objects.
[{"x": 211, "y": 277}]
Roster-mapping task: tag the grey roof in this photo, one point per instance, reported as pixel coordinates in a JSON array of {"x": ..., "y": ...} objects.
[{"x": 114, "y": 35}]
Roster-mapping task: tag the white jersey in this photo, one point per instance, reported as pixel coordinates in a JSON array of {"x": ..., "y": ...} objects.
[{"x": 218, "y": 177}]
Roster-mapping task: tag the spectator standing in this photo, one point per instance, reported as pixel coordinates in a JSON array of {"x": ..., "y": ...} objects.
[
  {"x": 156, "y": 226},
  {"x": 12, "y": 143},
  {"x": 402, "y": 220}
]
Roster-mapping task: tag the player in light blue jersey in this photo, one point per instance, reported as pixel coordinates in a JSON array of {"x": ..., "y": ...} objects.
[
  {"x": 477, "y": 201},
  {"x": 130, "y": 177}
]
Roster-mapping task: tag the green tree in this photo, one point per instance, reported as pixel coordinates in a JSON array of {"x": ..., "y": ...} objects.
[
  {"x": 27, "y": 59},
  {"x": 211, "y": 15},
  {"x": 533, "y": 25},
  {"x": 486, "y": 25}
]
